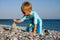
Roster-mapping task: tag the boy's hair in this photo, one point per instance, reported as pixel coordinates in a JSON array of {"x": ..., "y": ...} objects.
[{"x": 26, "y": 5}]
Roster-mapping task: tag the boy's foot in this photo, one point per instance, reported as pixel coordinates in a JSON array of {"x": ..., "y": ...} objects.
[
  {"x": 31, "y": 32},
  {"x": 45, "y": 32}
]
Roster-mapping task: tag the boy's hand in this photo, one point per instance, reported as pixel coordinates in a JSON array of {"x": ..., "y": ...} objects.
[
  {"x": 14, "y": 20},
  {"x": 18, "y": 21},
  {"x": 34, "y": 31}
]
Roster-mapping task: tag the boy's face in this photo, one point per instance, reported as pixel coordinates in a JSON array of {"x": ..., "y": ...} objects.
[{"x": 26, "y": 11}]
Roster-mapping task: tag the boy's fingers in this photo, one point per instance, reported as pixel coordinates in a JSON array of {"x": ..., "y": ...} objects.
[{"x": 14, "y": 20}]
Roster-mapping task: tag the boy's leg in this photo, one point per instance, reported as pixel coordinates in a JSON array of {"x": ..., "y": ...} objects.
[
  {"x": 29, "y": 28},
  {"x": 39, "y": 28}
]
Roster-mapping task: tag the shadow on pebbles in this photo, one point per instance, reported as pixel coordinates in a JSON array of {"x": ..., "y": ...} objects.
[{"x": 17, "y": 33}]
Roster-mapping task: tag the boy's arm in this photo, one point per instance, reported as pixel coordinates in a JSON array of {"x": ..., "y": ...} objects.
[
  {"x": 18, "y": 21},
  {"x": 35, "y": 22},
  {"x": 34, "y": 30}
]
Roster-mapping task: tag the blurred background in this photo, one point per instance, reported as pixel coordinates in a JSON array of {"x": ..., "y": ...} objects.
[{"x": 47, "y": 9}]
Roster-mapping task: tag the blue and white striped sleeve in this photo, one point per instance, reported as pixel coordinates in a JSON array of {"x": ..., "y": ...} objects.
[
  {"x": 35, "y": 18},
  {"x": 23, "y": 18}
]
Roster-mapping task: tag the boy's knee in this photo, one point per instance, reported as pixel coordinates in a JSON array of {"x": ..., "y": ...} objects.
[{"x": 29, "y": 28}]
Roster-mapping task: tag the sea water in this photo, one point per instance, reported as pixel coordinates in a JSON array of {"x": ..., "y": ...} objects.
[{"x": 48, "y": 24}]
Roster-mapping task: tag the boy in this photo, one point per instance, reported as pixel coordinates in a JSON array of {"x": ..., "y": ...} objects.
[{"x": 35, "y": 25}]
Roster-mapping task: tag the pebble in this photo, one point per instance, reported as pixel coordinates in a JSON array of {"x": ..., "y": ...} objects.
[{"x": 22, "y": 35}]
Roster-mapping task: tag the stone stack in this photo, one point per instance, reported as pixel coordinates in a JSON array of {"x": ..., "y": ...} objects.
[{"x": 14, "y": 28}]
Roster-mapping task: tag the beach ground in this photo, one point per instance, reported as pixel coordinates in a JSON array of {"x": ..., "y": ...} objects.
[{"x": 18, "y": 33}]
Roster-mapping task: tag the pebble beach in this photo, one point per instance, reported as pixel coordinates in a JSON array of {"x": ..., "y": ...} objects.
[{"x": 18, "y": 33}]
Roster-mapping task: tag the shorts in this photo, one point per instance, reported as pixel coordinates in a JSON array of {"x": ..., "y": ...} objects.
[{"x": 38, "y": 29}]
